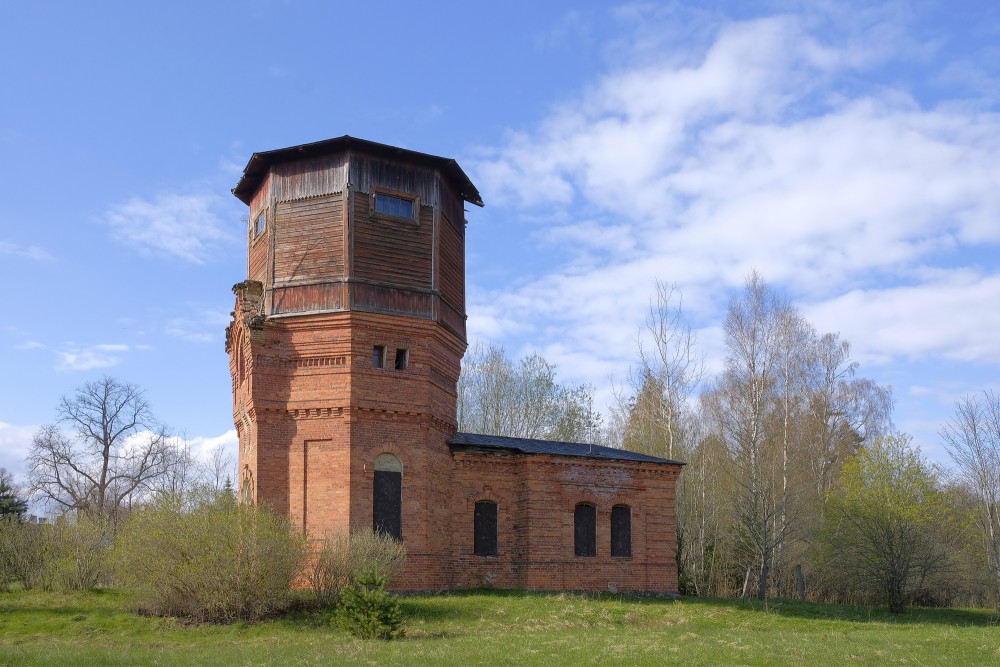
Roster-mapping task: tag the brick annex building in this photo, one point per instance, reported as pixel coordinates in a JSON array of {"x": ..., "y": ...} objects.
[{"x": 345, "y": 349}]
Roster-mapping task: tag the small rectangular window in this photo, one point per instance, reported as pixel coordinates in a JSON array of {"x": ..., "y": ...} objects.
[
  {"x": 378, "y": 356},
  {"x": 260, "y": 224},
  {"x": 402, "y": 359},
  {"x": 396, "y": 207}
]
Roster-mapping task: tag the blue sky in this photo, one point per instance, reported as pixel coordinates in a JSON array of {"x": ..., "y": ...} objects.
[{"x": 849, "y": 153}]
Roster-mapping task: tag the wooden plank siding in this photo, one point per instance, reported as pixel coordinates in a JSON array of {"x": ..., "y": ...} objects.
[
  {"x": 324, "y": 250},
  {"x": 386, "y": 299},
  {"x": 392, "y": 251},
  {"x": 309, "y": 178},
  {"x": 368, "y": 173},
  {"x": 451, "y": 261},
  {"x": 309, "y": 240},
  {"x": 309, "y": 298},
  {"x": 258, "y": 255}
]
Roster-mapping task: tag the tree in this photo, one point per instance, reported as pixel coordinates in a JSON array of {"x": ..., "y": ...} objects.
[
  {"x": 497, "y": 397},
  {"x": 654, "y": 416},
  {"x": 655, "y": 408},
  {"x": 741, "y": 403},
  {"x": 972, "y": 438},
  {"x": 113, "y": 453},
  {"x": 887, "y": 520},
  {"x": 11, "y": 505}
]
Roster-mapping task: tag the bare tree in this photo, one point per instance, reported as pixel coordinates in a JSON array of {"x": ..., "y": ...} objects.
[
  {"x": 972, "y": 438},
  {"x": 113, "y": 452},
  {"x": 655, "y": 405},
  {"x": 497, "y": 397},
  {"x": 745, "y": 394},
  {"x": 843, "y": 411},
  {"x": 653, "y": 415}
]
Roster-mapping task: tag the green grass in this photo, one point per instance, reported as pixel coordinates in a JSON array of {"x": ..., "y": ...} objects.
[{"x": 505, "y": 628}]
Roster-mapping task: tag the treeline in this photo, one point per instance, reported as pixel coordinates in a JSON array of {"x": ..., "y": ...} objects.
[{"x": 796, "y": 480}]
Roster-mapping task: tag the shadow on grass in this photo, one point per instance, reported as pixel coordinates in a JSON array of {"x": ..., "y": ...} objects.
[
  {"x": 853, "y": 613},
  {"x": 474, "y": 602}
]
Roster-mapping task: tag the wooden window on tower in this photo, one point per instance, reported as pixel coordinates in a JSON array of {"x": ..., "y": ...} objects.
[
  {"x": 260, "y": 224},
  {"x": 395, "y": 206}
]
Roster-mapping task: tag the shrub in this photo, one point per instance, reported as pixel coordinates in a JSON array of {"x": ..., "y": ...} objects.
[
  {"x": 216, "y": 561},
  {"x": 345, "y": 557},
  {"x": 21, "y": 553},
  {"x": 68, "y": 554},
  {"x": 368, "y": 611},
  {"x": 79, "y": 553}
]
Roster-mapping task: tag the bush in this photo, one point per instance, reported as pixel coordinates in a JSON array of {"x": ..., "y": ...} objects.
[
  {"x": 367, "y": 611},
  {"x": 22, "y": 553},
  {"x": 69, "y": 554},
  {"x": 216, "y": 561},
  {"x": 79, "y": 555},
  {"x": 345, "y": 557}
]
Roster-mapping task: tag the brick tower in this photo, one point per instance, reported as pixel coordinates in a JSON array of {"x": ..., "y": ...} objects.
[{"x": 346, "y": 341}]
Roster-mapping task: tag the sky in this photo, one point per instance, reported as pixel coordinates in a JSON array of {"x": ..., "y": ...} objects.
[{"x": 849, "y": 152}]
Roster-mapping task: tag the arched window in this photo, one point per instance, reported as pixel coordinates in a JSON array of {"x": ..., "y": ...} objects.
[
  {"x": 485, "y": 538},
  {"x": 621, "y": 531},
  {"x": 246, "y": 491},
  {"x": 387, "y": 496},
  {"x": 585, "y": 530}
]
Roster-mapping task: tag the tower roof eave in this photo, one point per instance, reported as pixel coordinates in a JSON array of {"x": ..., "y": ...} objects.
[{"x": 259, "y": 164}]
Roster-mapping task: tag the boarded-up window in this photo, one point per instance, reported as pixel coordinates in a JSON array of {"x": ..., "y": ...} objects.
[
  {"x": 585, "y": 530},
  {"x": 485, "y": 529},
  {"x": 621, "y": 531},
  {"x": 387, "y": 497}
]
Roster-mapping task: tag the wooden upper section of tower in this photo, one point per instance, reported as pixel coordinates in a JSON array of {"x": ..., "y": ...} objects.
[{"x": 347, "y": 224}]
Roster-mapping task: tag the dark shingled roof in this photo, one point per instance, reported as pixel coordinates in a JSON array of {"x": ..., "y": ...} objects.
[
  {"x": 529, "y": 446},
  {"x": 259, "y": 164}
]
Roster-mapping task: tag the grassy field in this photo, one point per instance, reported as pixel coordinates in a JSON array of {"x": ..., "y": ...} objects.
[{"x": 505, "y": 628}]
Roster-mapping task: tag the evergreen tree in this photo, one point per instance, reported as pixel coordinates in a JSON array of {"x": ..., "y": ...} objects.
[{"x": 10, "y": 504}]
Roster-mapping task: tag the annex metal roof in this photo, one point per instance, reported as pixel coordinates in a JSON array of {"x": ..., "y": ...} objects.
[
  {"x": 529, "y": 446},
  {"x": 259, "y": 163}
]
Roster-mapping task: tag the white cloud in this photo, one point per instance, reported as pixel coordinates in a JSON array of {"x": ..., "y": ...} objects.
[
  {"x": 204, "y": 327},
  {"x": 30, "y": 252},
  {"x": 203, "y": 446},
  {"x": 88, "y": 358},
  {"x": 951, "y": 316},
  {"x": 29, "y": 345},
  {"x": 187, "y": 227},
  {"x": 771, "y": 149}
]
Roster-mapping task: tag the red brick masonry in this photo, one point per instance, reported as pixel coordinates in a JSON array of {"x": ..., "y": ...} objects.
[{"x": 313, "y": 413}]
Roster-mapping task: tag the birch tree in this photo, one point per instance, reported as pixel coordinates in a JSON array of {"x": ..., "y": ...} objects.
[
  {"x": 972, "y": 438},
  {"x": 522, "y": 400},
  {"x": 744, "y": 396}
]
